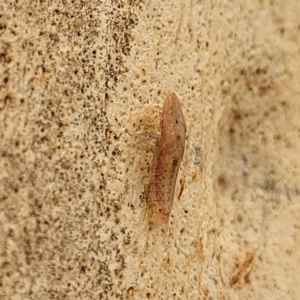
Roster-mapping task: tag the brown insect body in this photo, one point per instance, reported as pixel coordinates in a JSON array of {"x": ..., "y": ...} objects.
[{"x": 169, "y": 154}]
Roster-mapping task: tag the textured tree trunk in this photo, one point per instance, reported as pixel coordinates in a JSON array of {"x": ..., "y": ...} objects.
[{"x": 82, "y": 84}]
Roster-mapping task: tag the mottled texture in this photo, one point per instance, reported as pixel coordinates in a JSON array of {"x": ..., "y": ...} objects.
[{"x": 79, "y": 80}]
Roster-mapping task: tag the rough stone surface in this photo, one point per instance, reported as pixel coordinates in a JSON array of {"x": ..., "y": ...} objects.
[{"x": 81, "y": 89}]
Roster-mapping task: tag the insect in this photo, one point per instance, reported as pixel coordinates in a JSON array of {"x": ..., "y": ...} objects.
[{"x": 169, "y": 154}]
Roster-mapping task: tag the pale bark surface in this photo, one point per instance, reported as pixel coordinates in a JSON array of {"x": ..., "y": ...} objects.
[{"x": 82, "y": 84}]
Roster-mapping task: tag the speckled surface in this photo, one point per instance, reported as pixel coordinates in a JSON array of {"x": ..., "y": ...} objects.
[{"x": 81, "y": 90}]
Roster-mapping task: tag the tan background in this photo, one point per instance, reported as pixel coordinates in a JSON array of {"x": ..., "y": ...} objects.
[{"x": 81, "y": 87}]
